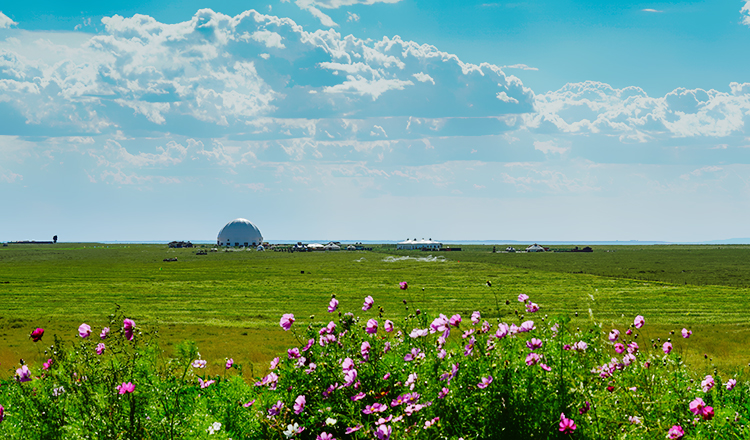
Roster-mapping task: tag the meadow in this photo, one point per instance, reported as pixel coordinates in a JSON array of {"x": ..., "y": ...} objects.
[{"x": 230, "y": 302}]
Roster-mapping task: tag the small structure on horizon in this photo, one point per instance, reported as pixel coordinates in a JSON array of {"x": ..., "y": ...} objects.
[
  {"x": 535, "y": 248},
  {"x": 410, "y": 244},
  {"x": 239, "y": 232}
]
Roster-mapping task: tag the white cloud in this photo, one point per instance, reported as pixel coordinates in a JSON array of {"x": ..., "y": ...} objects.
[
  {"x": 631, "y": 114},
  {"x": 334, "y": 4},
  {"x": 310, "y": 6},
  {"x": 520, "y": 66},
  {"x": 5, "y": 21},
  {"x": 549, "y": 147},
  {"x": 423, "y": 77},
  {"x": 9, "y": 177},
  {"x": 352, "y": 17},
  {"x": 746, "y": 13},
  {"x": 270, "y": 39},
  {"x": 650, "y": 10},
  {"x": 701, "y": 171}
]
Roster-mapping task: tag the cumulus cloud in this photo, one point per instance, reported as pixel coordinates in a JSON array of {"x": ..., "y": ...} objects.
[
  {"x": 549, "y": 147},
  {"x": 745, "y": 11},
  {"x": 219, "y": 75},
  {"x": 334, "y": 4},
  {"x": 632, "y": 115},
  {"x": 5, "y": 21}
]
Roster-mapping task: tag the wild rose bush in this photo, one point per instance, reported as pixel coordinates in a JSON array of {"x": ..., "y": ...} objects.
[{"x": 519, "y": 374}]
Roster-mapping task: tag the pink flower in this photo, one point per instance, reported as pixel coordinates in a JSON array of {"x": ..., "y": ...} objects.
[
  {"x": 299, "y": 404},
  {"x": 629, "y": 332},
  {"x": 585, "y": 409},
  {"x": 383, "y": 432},
  {"x": 37, "y": 334},
  {"x": 534, "y": 343},
  {"x": 128, "y": 325},
  {"x": 532, "y": 307},
  {"x": 104, "y": 333},
  {"x": 567, "y": 426},
  {"x": 199, "y": 363},
  {"x": 309, "y": 344},
  {"x": 126, "y": 387},
  {"x": 580, "y": 346},
  {"x": 403, "y": 285},
  {"x": 455, "y": 320},
  {"x": 48, "y": 364},
  {"x": 442, "y": 393},
  {"x": 545, "y": 367},
  {"x": 358, "y": 396},
  {"x": 697, "y": 406},
  {"x": 325, "y": 436},
  {"x": 293, "y": 353},
  {"x": 619, "y": 348},
  {"x": 229, "y": 364},
  {"x": 413, "y": 355},
  {"x": 23, "y": 374},
  {"x": 388, "y": 326},
  {"x": 84, "y": 330},
  {"x": 275, "y": 410},
  {"x": 353, "y": 429},
  {"x": 333, "y": 305},
  {"x": 486, "y": 381},
  {"x": 635, "y": 420},
  {"x": 368, "y": 303},
  {"x": 429, "y": 423},
  {"x": 667, "y": 347},
  {"x": 686, "y": 333},
  {"x": 274, "y": 363},
  {"x": 2, "y": 413},
  {"x": 523, "y": 297},
  {"x": 286, "y": 321},
  {"x": 708, "y": 413},
  {"x": 639, "y": 321},
  {"x": 372, "y": 326},
  {"x": 613, "y": 335},
  {"x": 675, "y": 432},
  {"x": 476, "y": 317},
  {"x": 633, "y": 347},
  {"x": 248, "y": 404},
  {"x": 100, "y": 348},
  {"x": 532, "y": 359},
  {"x": 204, "y": 384},
  {"x": 707, "y": 383},
  {"x": 731, "y": 383},
  {"x": 526, "y": 326},
  {"x": 375, "y": 407},
  {"x": 502, "y": 330}
]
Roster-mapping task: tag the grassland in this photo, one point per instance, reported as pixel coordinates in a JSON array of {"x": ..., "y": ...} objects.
[{"x": 230, "y": 302}]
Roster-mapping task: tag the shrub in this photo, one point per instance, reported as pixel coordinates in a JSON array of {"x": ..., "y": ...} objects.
[{"x": 522, "y": 375}]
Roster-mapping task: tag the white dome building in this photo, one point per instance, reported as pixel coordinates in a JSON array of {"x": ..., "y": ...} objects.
[{"x": 239, "y": 232}]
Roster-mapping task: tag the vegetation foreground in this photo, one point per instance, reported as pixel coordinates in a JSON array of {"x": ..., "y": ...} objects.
[{"x": 373, "y": 375}]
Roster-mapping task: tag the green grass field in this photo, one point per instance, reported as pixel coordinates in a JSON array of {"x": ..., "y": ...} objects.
[{"x": 231, "y": 302}]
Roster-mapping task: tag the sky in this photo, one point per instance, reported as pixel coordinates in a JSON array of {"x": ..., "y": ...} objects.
[{"x": 375, "y": 120}]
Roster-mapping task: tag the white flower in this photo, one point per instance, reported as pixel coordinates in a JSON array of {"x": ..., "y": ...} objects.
[
  {"x": 330, "y": 421},
  {"x": 214, "y": 428},
  {"x": 291, "y": 430}
]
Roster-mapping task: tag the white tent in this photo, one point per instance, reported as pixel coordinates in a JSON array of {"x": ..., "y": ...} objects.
[
  {"x": 410, "y": 244},
  {"x": 535, "y": 248}
]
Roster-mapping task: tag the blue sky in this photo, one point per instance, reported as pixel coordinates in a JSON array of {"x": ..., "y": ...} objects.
[{"x": 375, "y": 120}]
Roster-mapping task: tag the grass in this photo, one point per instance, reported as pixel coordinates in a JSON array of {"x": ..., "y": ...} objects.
[{"x": 231, "y": 302}]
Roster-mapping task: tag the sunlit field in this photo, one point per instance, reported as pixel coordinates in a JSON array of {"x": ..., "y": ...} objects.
[{"x": 230, "y": 302}]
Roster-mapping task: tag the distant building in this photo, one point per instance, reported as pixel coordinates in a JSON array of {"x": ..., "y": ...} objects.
[
  {"x": 239, "y": 232},
  {"x": 535, "y": 248},
  {"x": 410, "y": 244}
]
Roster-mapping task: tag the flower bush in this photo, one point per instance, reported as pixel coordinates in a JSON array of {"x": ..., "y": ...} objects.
[{"x": 506, "y": 373}]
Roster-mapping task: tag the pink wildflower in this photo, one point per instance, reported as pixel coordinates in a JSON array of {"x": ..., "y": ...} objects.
[
  {"x": 128, "y": 325},
  {"x": 403, "y": 285},
  {"x": 586, "y": 407},
  {"x": 731, "y": 383},
  {"x": 532, "y": 359},
  {"x": 686, "y": 333},
  {"x": 502, "y": 330},
  {"x": 274, "y": 363},
  {"x": 667, "y": 347},
  {"x": 633, "y": 347},
  {"x": 613, "y": 335},
  {"x": 442, "y": 393},
  {"x": 383, "y": 432},
  {"x": 104, "y": 333},
  {"x": 100, "y": 348},
  {"x": 286, "y": 321},
  {"x": 707, "y": 383},
  {"x": 368, "y": 303},
  {"x": 248, "y": 404},
  {"x": 523, "y": 297},
  {"x": 619, "y": 348},
  {"x": 388, "y": 326},
  {"x": 639, "y": 321},
  {"x": 455, "y": 320},
  {"x": 333, "y": 305},
  {"x": 580, "y": 346},
  {"x": 299, "y": 404},
  {"x": 128, "y": 387},
  {"x": 534, "y": 343},
  {"x": 375, "y": 407},
  {"x": 353, "y": 429},
  {"x": 229, "y": 364},
  {"x": 365, "y": 350},
  {"x": 23, "y": 374},
  {"x": 84, "y": 330},
  {"x": 567, "y": 426},
  {"x": 486, "y": 381},
  {"x": 293, "y": 353},
  {"x": 526, "y": 326},
  {"x": 37, "y": 334},
  {"x": 48, "y": 364},
  {"x": 275, "y": 410},
  {"x": 199, "y": 363},
  {"x": 675, "y": 432},
  {"x": 532, "y": 307},
  {"x": 372, "y": 326},
  {"x": 476, "y": 317},
  {"x": 205, "y": 383}
]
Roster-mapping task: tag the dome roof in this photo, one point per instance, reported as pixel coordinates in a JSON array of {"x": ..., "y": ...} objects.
[{"x": 239, "y": 232}]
